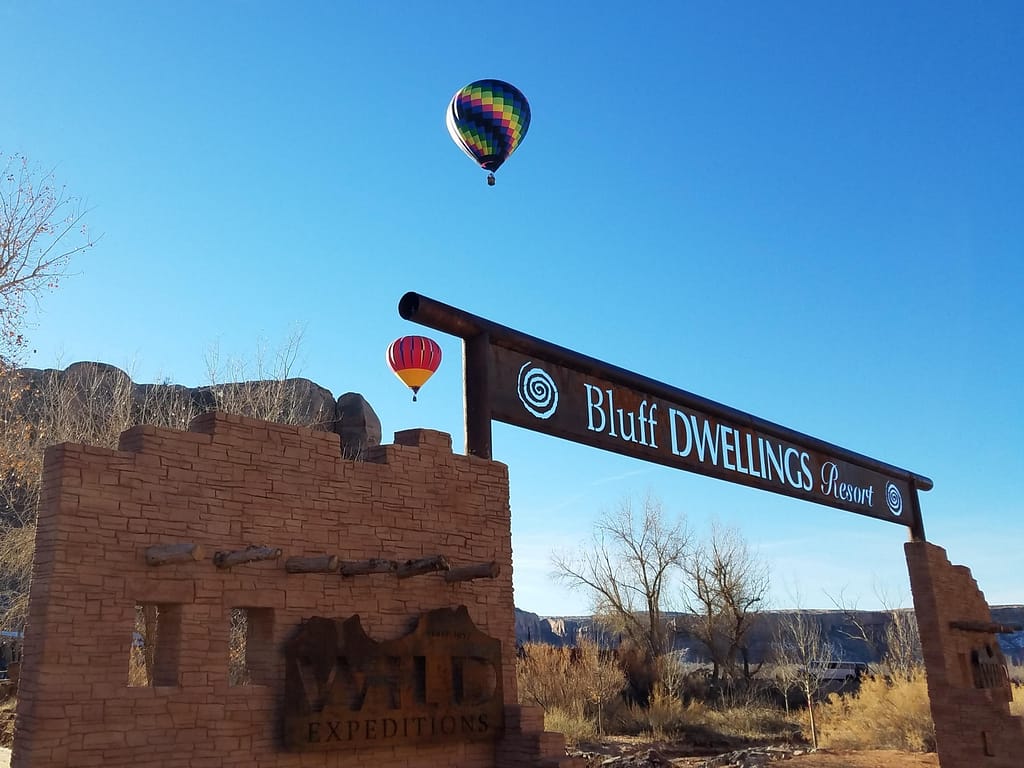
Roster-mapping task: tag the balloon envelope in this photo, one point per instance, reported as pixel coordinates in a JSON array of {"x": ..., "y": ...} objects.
[
  {"x": 488, "y": 119},
  {"x": 414, "y": 360}
]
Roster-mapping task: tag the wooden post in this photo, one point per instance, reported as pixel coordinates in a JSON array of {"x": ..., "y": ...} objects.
[
  {"x": 247, "y": 555},
  {"x": 917, "y": 529},
  {"x": 363, "y": 567},
  {"x": 423, "y": 565},
  {"x": 477, "y": 372},
  {"x": 469, "y": 572},
  {"x": 314, "y": 564},
  {"x": 166, "y": 554}
]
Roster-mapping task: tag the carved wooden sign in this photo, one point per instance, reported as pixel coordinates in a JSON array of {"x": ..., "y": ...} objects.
[
  {"x": 530, "y": 392},
  {"x": 531, "y": 383},
  {"x": 344, "y": 690}
]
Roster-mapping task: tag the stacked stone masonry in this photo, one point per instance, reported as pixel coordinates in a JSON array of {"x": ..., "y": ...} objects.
[
  {"x": 967, "y": 683},
  {"x": 227, "y": 484}
]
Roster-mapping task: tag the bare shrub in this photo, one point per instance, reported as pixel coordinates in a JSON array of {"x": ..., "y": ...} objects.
[
  {"x": 579, "y": 682},
  {"x": 17, "y": 546},
  {"x": 261, "y": 388},
  {"x": 664, "y": 715},
  {"x": 882, "y": 714}
]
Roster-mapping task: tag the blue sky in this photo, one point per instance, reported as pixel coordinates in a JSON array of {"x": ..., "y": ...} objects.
[{"x": 807, "y": 211}]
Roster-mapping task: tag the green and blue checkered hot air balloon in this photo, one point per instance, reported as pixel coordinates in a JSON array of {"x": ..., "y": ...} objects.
[{"x": 488, "y": 120}]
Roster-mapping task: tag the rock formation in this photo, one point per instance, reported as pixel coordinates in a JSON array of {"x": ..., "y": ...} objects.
[{"x": 91, "y": 390}]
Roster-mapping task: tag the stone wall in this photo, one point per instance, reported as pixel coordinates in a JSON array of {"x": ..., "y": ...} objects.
[
  {"x": 227, "y": 484},
  {"x": 967, "y": 682}
]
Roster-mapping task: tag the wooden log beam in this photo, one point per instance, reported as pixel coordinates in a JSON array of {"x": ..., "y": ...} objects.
[
  {"x": 312, "y": 564},
  {"x": 469, "y": 572},
  {"x": 423, "y": 565},
  {"x": 166, "y": 554},
  {"x": 985, "y": 627},
  {"x": 363, "y": 567},
  {"x": 247, "y": 555}
]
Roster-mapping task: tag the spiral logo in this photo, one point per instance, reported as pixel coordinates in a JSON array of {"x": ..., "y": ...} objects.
[
  {"x": 894, "y": 499},
  {"x": 537, "y": 391}
]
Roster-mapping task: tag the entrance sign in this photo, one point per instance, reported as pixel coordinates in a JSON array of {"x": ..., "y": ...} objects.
[
  {"x": 343, "y": 690},
  {"x": 532, "y": 393},
  {"x": 530, "y": 383}
]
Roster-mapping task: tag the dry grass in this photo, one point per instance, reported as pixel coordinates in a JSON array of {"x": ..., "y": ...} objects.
[
  {"x": 751, "y": 722},
  {"x": 1017, "y": 705},
  {"x": 664, "y": 717},
  {"x": 575, "y": 727},
  {"x": 881, "y": 715}
]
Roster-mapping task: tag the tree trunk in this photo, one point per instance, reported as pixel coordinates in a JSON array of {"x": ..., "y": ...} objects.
[{"x": 810, "y": 712}]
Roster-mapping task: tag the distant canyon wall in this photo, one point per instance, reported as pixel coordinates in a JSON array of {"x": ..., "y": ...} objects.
[{"x": 839, "y": 627}]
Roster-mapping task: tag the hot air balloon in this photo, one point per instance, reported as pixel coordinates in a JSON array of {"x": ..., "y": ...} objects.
[
  {"x": 488, "y": 120},
  {"x": 414, "y": 360}
]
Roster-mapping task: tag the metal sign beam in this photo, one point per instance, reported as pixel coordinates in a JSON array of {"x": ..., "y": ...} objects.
[{"x": 528, "y": 382}]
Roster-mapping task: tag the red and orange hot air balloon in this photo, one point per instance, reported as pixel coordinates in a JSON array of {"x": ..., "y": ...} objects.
[{"x": 414, "y": 360}]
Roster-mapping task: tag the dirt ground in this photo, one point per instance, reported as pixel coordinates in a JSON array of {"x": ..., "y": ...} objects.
[
  {"x": 880, "y": 758},
  {"x": 823, "y": 759},
  {"x": 636, "y": 752}
]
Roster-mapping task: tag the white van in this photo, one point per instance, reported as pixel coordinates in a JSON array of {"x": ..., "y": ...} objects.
[{"x": 837, "y": 670}]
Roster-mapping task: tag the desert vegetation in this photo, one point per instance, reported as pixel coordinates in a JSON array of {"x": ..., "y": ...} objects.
[
  {"x": 575, "y": 687},
  {"x": 640, "y": 568}
]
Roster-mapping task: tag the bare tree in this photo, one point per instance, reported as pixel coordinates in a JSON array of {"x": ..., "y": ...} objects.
[
  {"x": 803, "y": 655},
  {"x": 41, "y": 228},
  {"x": 629, "y": 569},
  {"x": 903, "y": 655},
  {"x": 898, "y": 646},
  {"x": 724, "y": 590}
]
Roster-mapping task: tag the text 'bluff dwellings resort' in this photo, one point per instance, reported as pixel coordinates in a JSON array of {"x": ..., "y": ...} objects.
[{"x": 372, "y": 584}]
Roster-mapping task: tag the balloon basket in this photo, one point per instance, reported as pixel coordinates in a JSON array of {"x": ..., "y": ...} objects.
[{"x": 490, "y": 179}]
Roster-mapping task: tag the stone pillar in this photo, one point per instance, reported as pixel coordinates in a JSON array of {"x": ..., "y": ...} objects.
[{"x": 968, "y": 687}]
